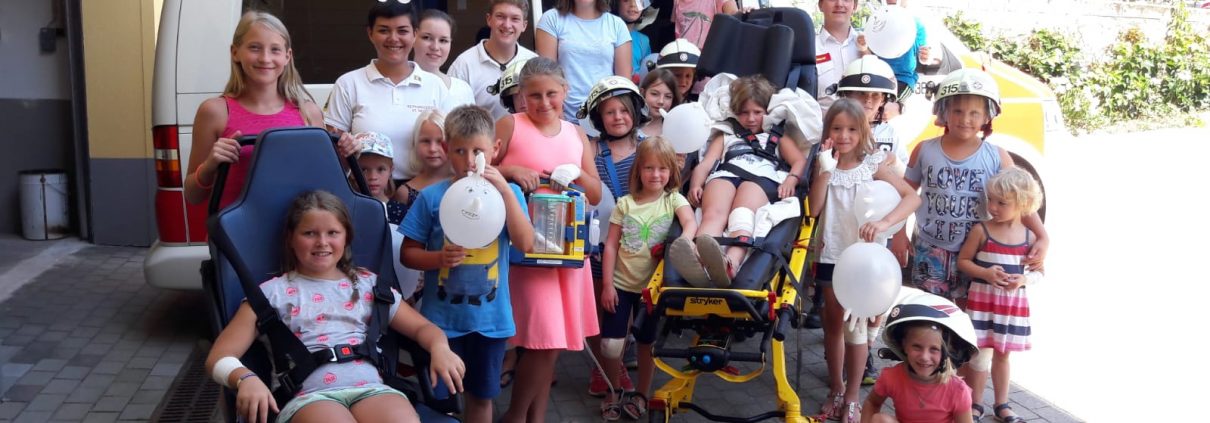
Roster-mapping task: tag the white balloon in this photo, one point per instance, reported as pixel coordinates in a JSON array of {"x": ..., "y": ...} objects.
[
  {"x": 866, "y": 279},
  {"x": 687, "y": 127},
  {"x": 472, "y": 211},
  {"x": 890, "y": 32},
  {"x": 875, "y": 199},
  {"x": 409, "y": 279}
]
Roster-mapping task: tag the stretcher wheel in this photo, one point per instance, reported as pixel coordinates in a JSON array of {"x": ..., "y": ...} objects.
[{"x": 657, "y": 416}]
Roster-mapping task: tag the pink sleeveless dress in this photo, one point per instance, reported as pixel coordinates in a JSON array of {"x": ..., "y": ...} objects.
[
  {"x": 554, "y": 308},
  {"x": 248, "y": 123}
]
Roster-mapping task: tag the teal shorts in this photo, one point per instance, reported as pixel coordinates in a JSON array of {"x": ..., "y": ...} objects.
[{"x": 343, "y": 396}]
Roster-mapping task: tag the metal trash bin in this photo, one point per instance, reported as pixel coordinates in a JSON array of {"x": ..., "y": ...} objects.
[{"x": 44, "y": 204}]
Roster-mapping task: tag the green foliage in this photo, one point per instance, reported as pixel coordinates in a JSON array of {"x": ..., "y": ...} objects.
[
  {"x": 968, "y": 31},
  {"x": 1136, "y": 80}
]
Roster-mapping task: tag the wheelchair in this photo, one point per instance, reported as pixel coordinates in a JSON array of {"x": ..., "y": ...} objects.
[
  {"x": 764, "y": 301},
  {"x": 245, "y": 246}
]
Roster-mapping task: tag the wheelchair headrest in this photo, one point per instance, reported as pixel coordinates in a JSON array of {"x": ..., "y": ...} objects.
[
  {"x": 802, "y": 47},
  {"x": 778, "y": 43},
  {"x": 286, "y": 163}
]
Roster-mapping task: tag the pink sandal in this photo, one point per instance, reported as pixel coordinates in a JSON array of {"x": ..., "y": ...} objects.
[{"x": 831, "y": 410}]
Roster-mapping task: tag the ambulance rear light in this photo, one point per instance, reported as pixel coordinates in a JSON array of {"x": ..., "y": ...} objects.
[{"x": 167, "y": 155}]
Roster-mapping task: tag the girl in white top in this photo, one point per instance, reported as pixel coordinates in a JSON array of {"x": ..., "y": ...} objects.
[
  {"x": 432, "y": 49},
  {"x": 389, "y": 94},
  {"x": 848, "y": 161}
]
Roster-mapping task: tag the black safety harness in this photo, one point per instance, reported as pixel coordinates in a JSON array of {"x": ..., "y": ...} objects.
[{"x": 292, "y": 361}]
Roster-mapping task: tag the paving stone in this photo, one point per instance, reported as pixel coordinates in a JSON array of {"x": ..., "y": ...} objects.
[
  {"x": 50, "y": 364},
  {"x": 11, "y": 370},
  {"x": 95, "y": 417},
  {"x": 133, "y": 375},
  {"x": 1054, "y": 415},
  {"x": 153, "y": 396},
  {"x": 24, "y": 393},
  {"x": 95, "y": 380},
  {"x": 137, "y": 412},
  {"x": 108, "y": 368},
  {"x": 122, "y": 389},
  {"x": 141, "y": 363},
  {"x": 73, "y": 373},
  {"x": 46, "y": 402},
  {"x": 87, "y": 361},
  {"x": 157, "y": 382},
  {"x": 72, "y": 411},
  {"x": 52, "y": 336},
  {"x": 115, "y": 404},
  {"x": 10, "y": 410},
  {"x": 85, "y": 394},
  {"x": 33, "y": 417},
  {"x": 60, "y": 386},
  {"x": 36, "y": 378}
]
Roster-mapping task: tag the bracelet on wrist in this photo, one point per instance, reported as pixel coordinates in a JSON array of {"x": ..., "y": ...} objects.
[{"x": 242, "y": 377}]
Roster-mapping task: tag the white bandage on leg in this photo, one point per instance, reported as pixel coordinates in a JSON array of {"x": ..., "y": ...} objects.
[
  {"x": 982, "y": 362},
  {"x": 769, "y": 215},
  {"x": 223, "y": 368},
  {"x": 611, "y": 348},
  {"x": 741, "y": 219}
]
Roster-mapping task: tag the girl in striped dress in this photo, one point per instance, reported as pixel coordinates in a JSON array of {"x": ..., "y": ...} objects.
[{"x": 997, "y": 301}]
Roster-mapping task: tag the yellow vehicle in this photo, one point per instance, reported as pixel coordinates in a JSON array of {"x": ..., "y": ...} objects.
[{"x": 1030, "y": 118}]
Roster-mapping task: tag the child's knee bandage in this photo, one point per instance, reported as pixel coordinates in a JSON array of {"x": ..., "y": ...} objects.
[
  {"x": 611, "y": 348},
  {"x": 741, "y": 219},
  {"x": 982, "y": 362}
]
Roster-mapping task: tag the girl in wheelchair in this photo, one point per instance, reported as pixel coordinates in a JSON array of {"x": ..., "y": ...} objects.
[
  {"x": 744, "y": 168},
  {"x": 327, "y": 302}
]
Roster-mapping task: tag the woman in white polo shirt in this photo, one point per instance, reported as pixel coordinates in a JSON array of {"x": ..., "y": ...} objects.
[{"x": 387, "y": 95}]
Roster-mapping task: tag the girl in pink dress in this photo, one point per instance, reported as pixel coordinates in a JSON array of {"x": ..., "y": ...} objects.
[{"x": 553, "y": 307}]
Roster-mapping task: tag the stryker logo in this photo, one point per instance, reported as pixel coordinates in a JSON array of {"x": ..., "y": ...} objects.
[{"x": 705, "y": 301}]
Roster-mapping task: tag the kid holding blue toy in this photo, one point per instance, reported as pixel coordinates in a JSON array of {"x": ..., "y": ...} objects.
[{"x": 466, "y": 291}]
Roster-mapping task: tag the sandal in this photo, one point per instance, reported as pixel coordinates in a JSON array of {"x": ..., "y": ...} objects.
[
  {"x": 1014, "y": 418},
  {"x": 853, "y": 413},
  {"x": 718, "y": 266},
  {"x": 634, "y": 404},
  {"x": 977, "y": 412},
  {"x": 683, "y": 257},
  {"x": 831, "y": 410},
  {"x": 611, "y": 407}
]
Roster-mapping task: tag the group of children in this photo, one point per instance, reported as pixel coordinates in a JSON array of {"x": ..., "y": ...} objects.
[{"x": 976, "y": 233}]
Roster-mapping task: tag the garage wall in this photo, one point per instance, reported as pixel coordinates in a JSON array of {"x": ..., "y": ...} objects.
[
  {"x": 119, "y": 53},
  {"x": 35, "y": 106}
]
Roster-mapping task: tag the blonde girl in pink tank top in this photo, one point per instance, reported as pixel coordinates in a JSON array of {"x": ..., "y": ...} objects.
[
  {"x": 264, "y": 91},
  {"x": 554, "y": 308}
]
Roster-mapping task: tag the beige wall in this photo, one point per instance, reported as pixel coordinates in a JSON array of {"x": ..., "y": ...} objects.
[{"x": 119, "y": 55}]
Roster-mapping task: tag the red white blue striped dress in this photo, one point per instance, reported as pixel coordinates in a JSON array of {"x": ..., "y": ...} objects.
[{"x": 1001, "y": 317}]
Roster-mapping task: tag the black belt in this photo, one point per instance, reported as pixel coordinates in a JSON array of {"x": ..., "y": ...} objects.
[{"x": 340, "y": 353}]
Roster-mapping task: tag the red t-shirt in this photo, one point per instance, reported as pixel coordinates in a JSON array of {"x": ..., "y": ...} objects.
[{"x": 941, "y": 402}]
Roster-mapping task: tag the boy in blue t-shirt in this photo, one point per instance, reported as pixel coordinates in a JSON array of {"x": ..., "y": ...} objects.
[{"x": 466, "y": 291}]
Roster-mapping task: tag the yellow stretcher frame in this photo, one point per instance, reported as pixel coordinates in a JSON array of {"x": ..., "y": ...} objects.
[{"x": 676, "y": 395}]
